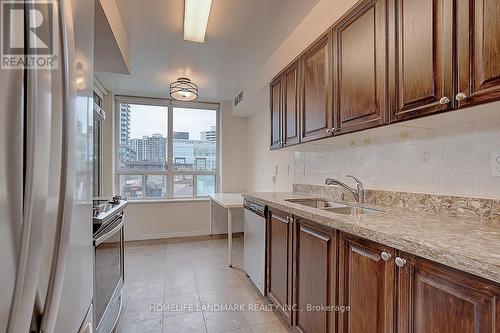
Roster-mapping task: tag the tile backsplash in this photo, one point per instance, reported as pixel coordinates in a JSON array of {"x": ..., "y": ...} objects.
[
  {"x": 447, "y": 205},
  {"x": 446, "y": 154}
]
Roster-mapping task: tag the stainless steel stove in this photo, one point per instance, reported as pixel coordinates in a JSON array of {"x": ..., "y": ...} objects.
[
  {"x": 105, "y": 211},
  {"x": 108, "y": 222}
]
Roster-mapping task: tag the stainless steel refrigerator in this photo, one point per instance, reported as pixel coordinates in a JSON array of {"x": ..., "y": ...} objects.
[{"x": 46, "y": 254}]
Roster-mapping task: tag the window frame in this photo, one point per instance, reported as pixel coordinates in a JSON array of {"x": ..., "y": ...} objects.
[{"x": 169, "y": 173}]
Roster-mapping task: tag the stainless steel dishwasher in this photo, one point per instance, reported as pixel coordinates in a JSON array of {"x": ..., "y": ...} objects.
[{"x": 254, "y": 246}]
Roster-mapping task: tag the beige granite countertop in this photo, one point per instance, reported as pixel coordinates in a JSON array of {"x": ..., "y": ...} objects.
[{"x": 468, "y": 244}]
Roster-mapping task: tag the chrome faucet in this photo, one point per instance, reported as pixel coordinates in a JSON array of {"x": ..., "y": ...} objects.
[{"x": 358, "y": 193}]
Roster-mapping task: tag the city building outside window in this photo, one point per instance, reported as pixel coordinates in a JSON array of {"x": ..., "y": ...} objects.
[{"x": 166, "y": 150}]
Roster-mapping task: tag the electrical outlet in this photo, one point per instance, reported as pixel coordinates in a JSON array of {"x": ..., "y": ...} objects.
[{"x": 495, "y": 164}]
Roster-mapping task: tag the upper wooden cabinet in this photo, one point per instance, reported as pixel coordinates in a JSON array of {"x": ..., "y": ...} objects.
[
  {"x": 276, "y": 114},
  {"x": 315, "y": 277},
  {"x": 284, "y": 106},
  {"x": 315, "y": 87},
  {"x": 291, "y": 105},
  {"x": 387, "y": 61},
  {"x": 360, "y": 79},
  {"x": 279, "y": 261},
  {"x": 421, "y": 46},
  {"x": 478, "y": 46},
  {"x": 366, "y": 285},
  {"x": 436, "y": 298}
]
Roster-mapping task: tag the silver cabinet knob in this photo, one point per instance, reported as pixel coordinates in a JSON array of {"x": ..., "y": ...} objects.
[
  {"x": 385, "y": 256},
  {"x": 460, "y": 96},
  {"x": 328, "y": 130},
  {"x": 400, "y": 262},
  {"x": 444, "y": 100}
]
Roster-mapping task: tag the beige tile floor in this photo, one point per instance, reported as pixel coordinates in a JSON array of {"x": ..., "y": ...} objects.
[{"x": 183, "y": 278}]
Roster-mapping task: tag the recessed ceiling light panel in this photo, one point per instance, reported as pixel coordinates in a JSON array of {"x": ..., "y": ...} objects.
[{"x": 196, "y": 14}]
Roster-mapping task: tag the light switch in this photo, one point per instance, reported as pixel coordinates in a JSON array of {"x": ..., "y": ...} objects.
[{"x": 495, "y": 164}]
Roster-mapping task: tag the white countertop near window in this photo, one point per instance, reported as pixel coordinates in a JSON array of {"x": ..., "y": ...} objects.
[{"x": 228, "y": 200}]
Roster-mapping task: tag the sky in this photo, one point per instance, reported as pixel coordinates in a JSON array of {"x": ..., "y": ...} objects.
[{"x": 147, "y": 119}]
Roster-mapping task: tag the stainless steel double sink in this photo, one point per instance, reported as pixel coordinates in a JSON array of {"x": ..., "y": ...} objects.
[{"x": 335, "y": 207}]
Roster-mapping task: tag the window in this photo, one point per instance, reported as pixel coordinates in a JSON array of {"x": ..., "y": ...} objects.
[{"x": 166, "y": 150}]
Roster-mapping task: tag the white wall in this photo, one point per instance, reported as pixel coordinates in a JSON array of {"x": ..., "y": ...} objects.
[
  {"x": 445, "y": 154},
  {"x": 166, "y": 219},
  {"x": 233, "y": 150},
  {"x": 262, "y": 162},
  {"x": 450, "y": 154}
]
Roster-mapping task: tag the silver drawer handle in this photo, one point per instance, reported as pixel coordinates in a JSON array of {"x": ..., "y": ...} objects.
[
  {"x": 385, "y": 256},
  {"x": 400, "y": 262},
  {"x": 444, "y": 100},
  {"x": 460, "y": 96}
]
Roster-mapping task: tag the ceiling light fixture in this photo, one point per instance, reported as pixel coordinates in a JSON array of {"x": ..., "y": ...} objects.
[
  {"x": 196, "y": 14},
  {"x": 183, "y": 90}
]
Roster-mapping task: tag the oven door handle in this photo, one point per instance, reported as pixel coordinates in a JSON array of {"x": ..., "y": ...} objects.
[{"x": 110, "y": 233}]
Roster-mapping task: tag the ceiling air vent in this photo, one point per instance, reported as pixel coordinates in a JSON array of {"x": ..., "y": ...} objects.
[{"x": 238, "y": 98}]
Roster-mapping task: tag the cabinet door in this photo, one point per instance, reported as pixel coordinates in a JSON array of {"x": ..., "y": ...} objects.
[
  {"x": 366, "y": 285},
  {"x": 315, "y": 278},
  {"x": 316, "y": 118},
  {"x": 435, "y": 298},
  {"x": 279, "y": 261},
  {"x": 290, "y": 106},
  {"x": 478, "y": 45},
  {"x": 421, "y": 58},
  {"x": 276, "y": 114},
  {"x": 360, "y": 83}
]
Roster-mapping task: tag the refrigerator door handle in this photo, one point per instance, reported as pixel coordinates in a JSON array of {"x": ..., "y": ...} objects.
[
  {"x": 35, "y": 193},
  {"x": 54, "y": 292}
]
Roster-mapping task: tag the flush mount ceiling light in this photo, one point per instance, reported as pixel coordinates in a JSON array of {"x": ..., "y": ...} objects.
[
  {"x": 183, "y": 90},
  {"x": 196, "y": 14}
]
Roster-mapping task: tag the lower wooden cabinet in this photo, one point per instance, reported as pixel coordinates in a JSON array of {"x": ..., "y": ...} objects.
[
  {"x": 314, "y": 277},
  {"x": 313, "y": 270},
  {"x": 436, "y": 298},
  {"x": 279, "y": 261},
  {"x": 366, "y": 285}
]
